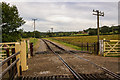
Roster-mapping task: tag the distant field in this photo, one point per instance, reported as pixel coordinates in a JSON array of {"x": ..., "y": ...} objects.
[
  {"x": 75, "y": 41},
  {"x": 84, "y": 39}
]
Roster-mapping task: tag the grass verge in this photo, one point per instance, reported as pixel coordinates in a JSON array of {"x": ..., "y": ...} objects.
[
  {"x": 66, "y": 44},
  {"x": 33, "y": 40}
]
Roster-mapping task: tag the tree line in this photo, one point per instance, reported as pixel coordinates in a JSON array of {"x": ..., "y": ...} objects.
[
  {"x": 105, "y": 30},
  {"x": 45, "y": 34}
]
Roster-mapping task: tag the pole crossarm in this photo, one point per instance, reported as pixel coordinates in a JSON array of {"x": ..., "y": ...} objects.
[{"x": 98, "y": 13}]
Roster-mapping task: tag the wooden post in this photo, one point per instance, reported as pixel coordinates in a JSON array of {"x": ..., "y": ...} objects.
[
  {"x": 23, "y": 55},
  {"x": 82, "y": 46},
  {"x": 17, "y": 49},
  {"x": 20, "y": 70},
  {"x": 87, "y": 46},
  {"x": 104, "y": 46},
  {"x": 94, "y": 47},
  {"x": 97, "y": 47},
  {"x": 14, "y": 68},
  {"x": 13, "y": 52},
  {"x": 90, "y": 47},
  {"x": 31, "y": 49},
  {"x": 7, "y": 51},
  {"x": 28, "y": 42},
  {"x": 8, "y": 63}
]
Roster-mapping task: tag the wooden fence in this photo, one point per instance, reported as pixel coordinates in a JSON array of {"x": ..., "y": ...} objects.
[
  {"x": 111, "y": 47},
  {"x": 90, "y": 47},
  {"x": 106, "y": 47},
  {"x": 13, "y": 59}
]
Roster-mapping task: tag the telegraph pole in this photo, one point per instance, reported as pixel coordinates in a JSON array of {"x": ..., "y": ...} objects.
[
  {"x": 34, "y": 26},
  {"x": 48, "y": 31},
  {"x": 52, "y": 30},
  {"x": 98, "y": 13}
]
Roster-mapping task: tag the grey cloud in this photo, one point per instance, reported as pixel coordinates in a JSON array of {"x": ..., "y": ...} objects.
[
  {"x": 61, "y": 0},
  {"x": 65, "y": 16}
]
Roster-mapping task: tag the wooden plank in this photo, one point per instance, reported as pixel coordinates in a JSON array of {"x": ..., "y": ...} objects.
[
  {"x": 8, "y": 47},
  {"x": 114, "y": 47},
  {"x": 112, "y": 50},
  {"x": 2, "y": 57},
  {"x": 114, "y": 40},
  {"x": 5, "y": 51},
  {"x": 8, "y": 43},
  {"x": 2, "y": 51},
  {"x": 2, "y": 54},
  {"x": 113, "y": 44},
  {"x": 113, "y": 55}
]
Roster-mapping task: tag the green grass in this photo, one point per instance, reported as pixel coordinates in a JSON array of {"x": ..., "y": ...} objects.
[
  {"x": 79, "y": 34},
  {"x": 66, "y": 44},
  {"x": 33, "y": 40},
  {"x": 90, "y": 39}
]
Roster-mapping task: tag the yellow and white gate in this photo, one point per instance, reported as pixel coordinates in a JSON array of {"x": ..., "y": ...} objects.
[{"x": 111, "y": 47}]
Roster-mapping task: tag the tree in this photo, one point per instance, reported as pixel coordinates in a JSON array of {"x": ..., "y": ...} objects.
[
  {"x": 12, "y": 21},
  {"x": 115, "y": 29},
  {"x": 118, "y": 29},
  {"x": 91, "y": 31},
  {"x": 105, "y": 30}
]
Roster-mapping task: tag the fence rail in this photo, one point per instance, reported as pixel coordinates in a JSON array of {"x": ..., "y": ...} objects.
[
  {"x": 11, "y": 63},
  {"x": 90, "y": 47},
  {"x": 7, "y": 59},
  {"x": 14, "y": 61}
]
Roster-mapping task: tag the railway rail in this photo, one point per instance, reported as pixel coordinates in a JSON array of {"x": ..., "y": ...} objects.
[{"x": 78, "y": 76}]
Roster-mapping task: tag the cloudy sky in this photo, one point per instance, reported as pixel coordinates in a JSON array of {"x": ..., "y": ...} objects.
[{"x": 66, "y": 16}]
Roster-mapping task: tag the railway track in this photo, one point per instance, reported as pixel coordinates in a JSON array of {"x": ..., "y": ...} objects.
[
  {"x": 66, "y": 77},
  {"x": 75, "y": 75},
  {"x": 108, "y": 75}
]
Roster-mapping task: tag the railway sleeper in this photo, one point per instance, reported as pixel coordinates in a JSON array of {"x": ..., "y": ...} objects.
[{"x": 68, "y": 77}]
